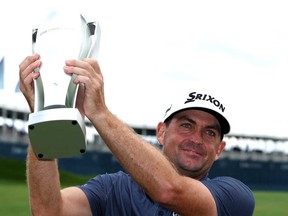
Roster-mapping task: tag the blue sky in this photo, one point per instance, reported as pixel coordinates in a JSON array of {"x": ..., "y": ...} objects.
[{"x": 150, "y": 48}]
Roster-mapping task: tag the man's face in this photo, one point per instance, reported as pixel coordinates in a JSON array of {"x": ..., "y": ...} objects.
[{"x": 192, "y": 141}]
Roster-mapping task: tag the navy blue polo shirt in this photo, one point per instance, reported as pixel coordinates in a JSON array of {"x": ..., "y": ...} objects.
[{"x": 118, "y": 194}]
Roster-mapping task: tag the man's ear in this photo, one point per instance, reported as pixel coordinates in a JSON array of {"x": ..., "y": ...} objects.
[
  {"x": 160, "y": 132},
  {"x": 220, "y": 149}
]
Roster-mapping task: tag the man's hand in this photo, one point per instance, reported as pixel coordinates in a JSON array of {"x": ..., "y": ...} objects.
[
  {"x": 27, "y": 75},
  {"x": 90, "y": 98}
]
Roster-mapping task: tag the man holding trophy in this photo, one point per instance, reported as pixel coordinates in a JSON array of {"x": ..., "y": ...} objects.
[{"x": 172, "y": 182}]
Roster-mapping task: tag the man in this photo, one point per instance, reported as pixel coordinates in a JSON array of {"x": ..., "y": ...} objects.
[{"x": 172, "y": 182}]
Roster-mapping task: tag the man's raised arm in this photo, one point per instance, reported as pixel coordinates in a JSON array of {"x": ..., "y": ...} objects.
[{"x": 46, "y": 196}]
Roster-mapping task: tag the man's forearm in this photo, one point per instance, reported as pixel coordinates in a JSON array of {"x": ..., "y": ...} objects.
[
  {"x": 142, "y": 161},
  {"x": 44, "y": 185}
]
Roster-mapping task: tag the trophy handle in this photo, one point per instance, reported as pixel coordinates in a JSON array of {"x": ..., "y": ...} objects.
[
  {"x": 93, "y": 41},
  {"x": 38, "y": 85},
  {"x": 95, "y": 33}
]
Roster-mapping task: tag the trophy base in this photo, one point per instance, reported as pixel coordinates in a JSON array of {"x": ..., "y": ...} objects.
[{"x": 57, "y": 133}]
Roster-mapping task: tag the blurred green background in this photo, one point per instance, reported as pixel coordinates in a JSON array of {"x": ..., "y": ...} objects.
[{"x": 14, "y": 193}]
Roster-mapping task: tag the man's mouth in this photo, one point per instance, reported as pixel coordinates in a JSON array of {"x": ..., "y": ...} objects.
[{"x": 192, "y": 151}]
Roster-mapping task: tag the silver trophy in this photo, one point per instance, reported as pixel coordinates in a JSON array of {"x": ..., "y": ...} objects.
[{"x": 56, "y": 128}]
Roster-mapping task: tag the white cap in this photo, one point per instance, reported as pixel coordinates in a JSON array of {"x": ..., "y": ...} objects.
[{"x": 201, "y": 101}]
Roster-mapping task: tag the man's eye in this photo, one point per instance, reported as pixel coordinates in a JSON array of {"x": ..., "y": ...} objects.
[
  {"x": 211, "y": 133},
  {"x": 186, "y": 125}
]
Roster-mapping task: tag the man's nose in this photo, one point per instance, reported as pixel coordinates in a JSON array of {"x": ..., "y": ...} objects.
[{"x": 197, "y": 137}]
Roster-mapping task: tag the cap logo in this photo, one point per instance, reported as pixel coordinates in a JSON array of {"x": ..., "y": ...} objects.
[
  {"x": 193, "y": 96},
  {"x": 168, "y": 110}
]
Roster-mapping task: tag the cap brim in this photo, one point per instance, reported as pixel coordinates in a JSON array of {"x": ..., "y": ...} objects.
[{"x": 224, "y": 124}]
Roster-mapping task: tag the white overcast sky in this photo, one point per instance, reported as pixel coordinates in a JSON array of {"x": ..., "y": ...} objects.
[{"x": 148, "y": 48}]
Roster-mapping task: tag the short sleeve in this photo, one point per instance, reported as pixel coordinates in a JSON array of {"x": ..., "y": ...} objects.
[
  {"x": 97, "y": 190},
  {"x": 232, "y": 197}
]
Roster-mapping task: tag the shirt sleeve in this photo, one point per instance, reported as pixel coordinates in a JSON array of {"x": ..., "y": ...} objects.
[
  {"x": 232, "y": 197},
  {"x": 97, "y": 190}
]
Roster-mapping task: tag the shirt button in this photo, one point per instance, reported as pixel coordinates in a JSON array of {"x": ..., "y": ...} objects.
[{"x": 161, "y": 213}]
